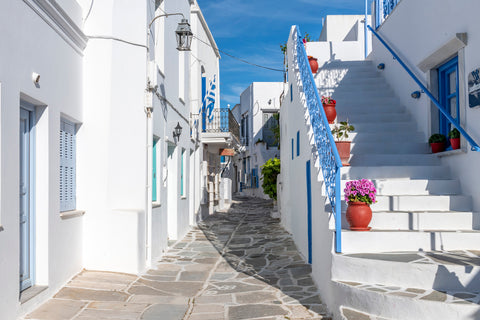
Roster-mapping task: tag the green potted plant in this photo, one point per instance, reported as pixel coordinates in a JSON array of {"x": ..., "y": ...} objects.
[
  {"x": 437, "y": 142},
  {"x": 454, "y": 136},
  {"x": 340, "y": 134},
  {"x": 329, "y": 108}
]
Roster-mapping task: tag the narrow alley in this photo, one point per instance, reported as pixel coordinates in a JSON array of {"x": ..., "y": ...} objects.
[{"x": 239, "y": 264}]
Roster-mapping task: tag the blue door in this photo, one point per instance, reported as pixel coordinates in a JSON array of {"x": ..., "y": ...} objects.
[
  {"x": 309, "y": 210},
  {"x": 26, "y": 183},
  {"x": 448, "y": 94}
]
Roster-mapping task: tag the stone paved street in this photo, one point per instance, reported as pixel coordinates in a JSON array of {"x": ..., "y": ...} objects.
[{"x": 236, "y": 265}]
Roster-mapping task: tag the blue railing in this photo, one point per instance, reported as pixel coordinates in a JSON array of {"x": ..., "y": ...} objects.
[
  {"x": 383, "y": 8},
  {"x": 327, "y": 151},
  {"x": 453, "y": 121}
]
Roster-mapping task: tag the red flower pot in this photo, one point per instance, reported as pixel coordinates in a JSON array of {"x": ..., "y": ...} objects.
[
  {"x": 455, "y": 143},
  {"x": 437, "y": 147},
  {"x": 313, "y": 64},
  {"x": 359, "y": 215},
  {"x": 343, "y": 148},
  {"x": 330, "y": 111}
]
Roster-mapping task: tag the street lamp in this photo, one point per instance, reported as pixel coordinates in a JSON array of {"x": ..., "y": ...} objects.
[
  {"x": 184, "y": 36},
  {"x": 177, "y": 131}
]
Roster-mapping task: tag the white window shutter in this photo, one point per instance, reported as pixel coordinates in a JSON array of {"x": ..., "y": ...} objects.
[{"x": 67, "y": 166}]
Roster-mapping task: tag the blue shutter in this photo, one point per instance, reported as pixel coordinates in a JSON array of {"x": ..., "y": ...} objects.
[
  {"x": 67, "y": 166},
  {"x": 154, "y": 170},
  {"x": 298, "y": 143},
  {"x": 181, "y": 172}
]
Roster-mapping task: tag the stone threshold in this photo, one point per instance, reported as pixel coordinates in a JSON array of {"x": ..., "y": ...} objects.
[{"x": 31, "y": 292}]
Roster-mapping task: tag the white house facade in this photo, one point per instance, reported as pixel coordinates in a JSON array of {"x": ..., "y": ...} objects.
[
  {"x": 100, "y": 166},
  {"x": 425, "y": 221},
  {"x": 257, "y": 117}
]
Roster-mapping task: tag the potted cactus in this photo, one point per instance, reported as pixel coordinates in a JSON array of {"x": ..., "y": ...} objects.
[
  {"x": 454, "y": 136},
  {"x": 437, "y": 142},
  {"x": 340, "y": 134}
]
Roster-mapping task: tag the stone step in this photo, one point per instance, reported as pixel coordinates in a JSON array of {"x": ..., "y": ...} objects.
[
  {"x": 405, "y": 303},
  {"x": 342, "y": 94},
  {"x": 391, "y": 187},
  {"x": 360, "y": 107},
  {"x": 376, "y": 159},
  {"x": 457, "y": 270},
  {"x": 351, "y": 79},
  {"x": 403, "y": 204},
  {"x": 365, "y": 101},
  {"x": 355, "y": 118},
  {"x": 381, "y": 127},
  {"x": 392, "y": 172},
  {"x": 400, "y": 240},
  {"x": 417, "y": 220},
  {"x": 359, "y": 87},
  {"x": 400, "y": 147},
  {"x": 392, "y": 137}
]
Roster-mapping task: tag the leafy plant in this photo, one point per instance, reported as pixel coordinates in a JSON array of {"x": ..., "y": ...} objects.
[
  {"x": 307, "y": 37},
  {"x": 328, "y": 100},
  {"x": 341, "y": 131},
  {"x": 283, "y": 47},
  {"x": 454, "y": 134},
  {"x": 436, "y": 138},
  {"x": 276, "y": 129},
  {"x": 270, "y": 170},
  {"x": 362, "y": 190}
]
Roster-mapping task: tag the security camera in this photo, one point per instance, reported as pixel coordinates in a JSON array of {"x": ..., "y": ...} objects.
[{"x": 35, "y": 78}]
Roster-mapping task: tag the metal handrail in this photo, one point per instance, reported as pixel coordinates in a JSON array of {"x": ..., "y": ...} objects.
[
  {"x": 329, "y": 158},
  {"x": 474, "y": 145}
]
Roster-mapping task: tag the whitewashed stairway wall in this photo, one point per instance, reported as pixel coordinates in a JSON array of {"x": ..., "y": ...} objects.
[{"x": 400, "y": 269}]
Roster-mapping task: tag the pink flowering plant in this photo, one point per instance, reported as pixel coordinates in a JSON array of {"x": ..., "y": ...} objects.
[
  {"x": 362, "y": 190},
  {"x": 328, "y": 100}
]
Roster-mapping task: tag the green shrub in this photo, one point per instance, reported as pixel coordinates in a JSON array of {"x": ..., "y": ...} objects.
[
  {"x": 454, "y": 134},
  {"x": 437, "y": 137},
  {"x": 270, "y": 170}
]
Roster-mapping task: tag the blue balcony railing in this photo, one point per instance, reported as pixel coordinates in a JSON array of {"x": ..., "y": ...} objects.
[
  {"x": 327, "y": 151},
  {"x": 383, "y": 8}
]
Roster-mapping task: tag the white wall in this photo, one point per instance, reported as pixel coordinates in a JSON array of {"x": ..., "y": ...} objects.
[
  {"x": 257, "y": 98},
  {"x": 29, "y": 45},
  {"x": 416, "y": 30}
]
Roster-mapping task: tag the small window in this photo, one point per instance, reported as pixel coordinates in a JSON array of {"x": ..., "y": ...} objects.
[
  {"x": 67, "y": 166},
  {"x": 155, "y": 197},
  {"x": 298, "y": 143},
  {"x": 292, "y": 148},
  {"x": 182, "y": 182}
]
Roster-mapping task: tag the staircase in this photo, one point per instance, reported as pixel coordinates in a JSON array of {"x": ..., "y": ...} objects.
[{"x": 419, "y": 261}]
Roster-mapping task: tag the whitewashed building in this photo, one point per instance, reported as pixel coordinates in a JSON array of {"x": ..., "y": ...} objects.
[
  {"x": 95, "y": 173},
  {"x": 420, "y": 260},
  {"x": 258, "y": 105}
]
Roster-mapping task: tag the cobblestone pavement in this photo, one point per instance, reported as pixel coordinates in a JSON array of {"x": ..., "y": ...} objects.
[{"x": 236, "y": 265}]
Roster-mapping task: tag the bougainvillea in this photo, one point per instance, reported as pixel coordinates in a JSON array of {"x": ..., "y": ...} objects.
[{"x": 362, "y": 190}]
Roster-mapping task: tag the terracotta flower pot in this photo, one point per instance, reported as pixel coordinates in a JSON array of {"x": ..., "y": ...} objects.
[
  {"x": 343, "y": 148},
  {"x": 330, "y": 111},
  {"x": 359, "y": 215},
  {"x": 455, "y": 143},
  {"x": 437, "y": 147},
  {"x": 313, "y": 64}
]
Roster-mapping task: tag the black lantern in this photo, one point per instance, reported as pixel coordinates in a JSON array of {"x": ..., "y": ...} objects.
[
  {"x": 177, "y": 131},
  {"x": 184, "y": 36}
]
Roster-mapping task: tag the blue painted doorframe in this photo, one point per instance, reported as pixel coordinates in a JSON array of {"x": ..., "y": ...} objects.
[
  {"x": 26, "y": 196},
  {"x": 309, "y": 210},
  {"x": 448, "y": 93}
]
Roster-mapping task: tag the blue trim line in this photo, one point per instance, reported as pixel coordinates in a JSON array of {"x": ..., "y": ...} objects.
[
  {"x": 298, "y": 143},
  {"x": 309, "y": 210},
  {"x": 292, "y": 148},
  {"x": 474, "y": 145}
]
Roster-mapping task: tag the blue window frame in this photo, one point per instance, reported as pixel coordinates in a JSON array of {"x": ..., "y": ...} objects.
[
  {"x": 292, "y": 148},
  {"x": 181, "y": 174},
  {"x": 298, "y": 143},
  {"x": 291, "y": 92},
  {"x": 154, "y": 170},
  {"x": 448, "y": 94}
]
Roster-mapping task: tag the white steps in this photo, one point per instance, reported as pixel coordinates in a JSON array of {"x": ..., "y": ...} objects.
[{"x": 420, "y": 208}]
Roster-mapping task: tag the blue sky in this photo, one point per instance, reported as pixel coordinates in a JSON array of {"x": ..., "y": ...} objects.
[{"x": 254, "y": 29}]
